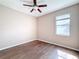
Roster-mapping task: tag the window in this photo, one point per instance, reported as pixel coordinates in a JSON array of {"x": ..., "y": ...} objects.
[{"x": 63, "y": 25}]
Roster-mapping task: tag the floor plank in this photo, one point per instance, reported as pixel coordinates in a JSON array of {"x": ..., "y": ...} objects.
[{"x": 38, "y": 50}]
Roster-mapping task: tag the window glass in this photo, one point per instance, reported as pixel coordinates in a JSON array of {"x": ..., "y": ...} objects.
[{"x": 63, "y": 25}]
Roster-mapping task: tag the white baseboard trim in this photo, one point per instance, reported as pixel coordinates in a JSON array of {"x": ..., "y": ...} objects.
[
  {"x": 39, "y": 40},
  {"x": 61, "y": 45},
  {"x": 15, "y": 45}
]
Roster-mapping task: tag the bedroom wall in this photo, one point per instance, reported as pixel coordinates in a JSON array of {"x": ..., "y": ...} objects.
[
  {"x": 47, "y": 32},
  {"x": 78, "y": 26},
  {"x": 15, "y": 28}
]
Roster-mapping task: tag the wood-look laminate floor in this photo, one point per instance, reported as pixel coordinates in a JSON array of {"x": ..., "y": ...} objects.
[{"x": 38, "y": 50}]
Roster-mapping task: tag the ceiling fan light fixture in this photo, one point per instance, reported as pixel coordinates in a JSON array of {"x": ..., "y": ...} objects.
[{"x": 35, "y": 6}]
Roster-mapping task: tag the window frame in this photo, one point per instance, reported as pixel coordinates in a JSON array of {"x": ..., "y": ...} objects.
[{"x": 65, "y": 18}]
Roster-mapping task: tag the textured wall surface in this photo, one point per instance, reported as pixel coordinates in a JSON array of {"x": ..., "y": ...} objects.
[
  {"x": 15, "y": 27},
  {"x": 47, "y": 28}
]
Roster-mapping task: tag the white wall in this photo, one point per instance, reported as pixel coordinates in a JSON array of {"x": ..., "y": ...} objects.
[
  {"x": 15, "y": 28},
  {"x": 47, "y": 32},
  {"x": 78, "y": 26}
]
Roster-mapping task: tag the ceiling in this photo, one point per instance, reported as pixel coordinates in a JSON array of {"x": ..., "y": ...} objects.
[{"x": 52, "y": 5}]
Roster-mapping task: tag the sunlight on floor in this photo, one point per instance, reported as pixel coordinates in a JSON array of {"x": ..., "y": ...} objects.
[{"x": 64, "y": 55}]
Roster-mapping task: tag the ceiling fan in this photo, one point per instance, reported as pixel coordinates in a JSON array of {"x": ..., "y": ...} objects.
[{"x": 35, "y": 5}]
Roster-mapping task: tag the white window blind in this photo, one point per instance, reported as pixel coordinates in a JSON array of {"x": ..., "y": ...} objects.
[{"x": 63, "y": 25}]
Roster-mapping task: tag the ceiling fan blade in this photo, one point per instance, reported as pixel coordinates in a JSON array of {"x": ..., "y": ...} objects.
[
  {"x": 39, "y": 10},
  {"x": 42, "y": 5},
  {"x": 27, "y": 5},
  {"x": 35, "y": 3},
  {"x": 32, "y": 10}
]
